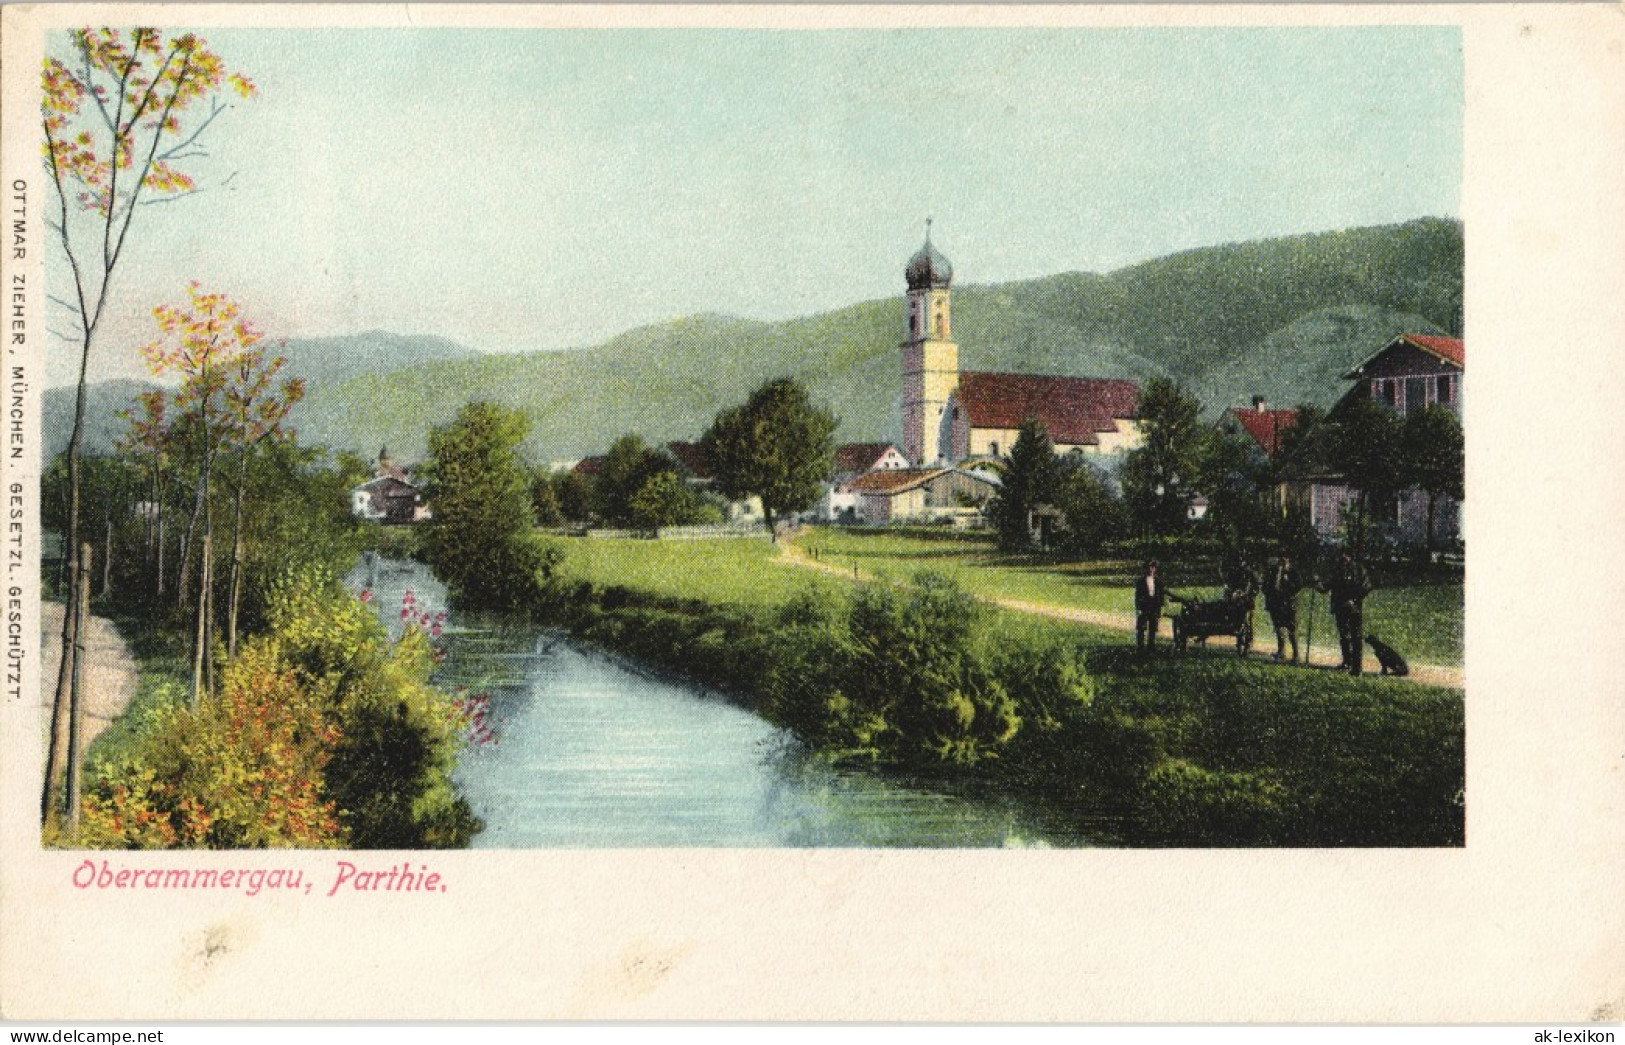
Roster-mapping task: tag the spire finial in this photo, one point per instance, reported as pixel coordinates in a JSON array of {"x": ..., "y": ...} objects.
[{"x": 928, "y": 230}]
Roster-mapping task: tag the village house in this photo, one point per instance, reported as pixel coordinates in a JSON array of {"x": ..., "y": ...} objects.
[
  {"x": 691, "y": 459},
  {"x": 1409, "y": 374},
  {"x": 839, "y": 503},
  {"x": 952, "y": 416},
  {"x": 921, "y": 495},
  {"x": 389, "y": 497}
]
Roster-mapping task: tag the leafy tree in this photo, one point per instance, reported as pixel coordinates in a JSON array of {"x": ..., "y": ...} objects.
[
  {"x": 1364, "y": 448},
  {"x": 120, "y": 116},
  {"x": 481, "y": 541},
  {"x": 1091, "y": 513},
  {"x": 777, "y": 447},
  {"x": 1434, "y": 456},
  {"x": 1029, "y": 480},
  {"x": 576, "y": 496},
  {"x": 544, "y": 500},
  {"x": 1158, "y": 476},
  {"x": 1235, "y": 476},
  {"x": 664, "y": 500},
  {"x": 228, "y": 399},
  {"x": 628, "y": 466}
]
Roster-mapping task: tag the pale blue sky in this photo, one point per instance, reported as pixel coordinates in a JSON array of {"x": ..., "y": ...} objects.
[{"x": 520, "y": 190}]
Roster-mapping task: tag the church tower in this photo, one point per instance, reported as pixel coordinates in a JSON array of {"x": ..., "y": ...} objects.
[{"x": 930, "y": 357}]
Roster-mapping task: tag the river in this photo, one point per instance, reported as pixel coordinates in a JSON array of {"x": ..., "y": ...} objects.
[{"x": 589, "y": 750}]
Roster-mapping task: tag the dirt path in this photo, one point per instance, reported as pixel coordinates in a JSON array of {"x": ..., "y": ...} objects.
[
  {"x": 793, "y": 554},
  {"x": 109, "y": 679}
]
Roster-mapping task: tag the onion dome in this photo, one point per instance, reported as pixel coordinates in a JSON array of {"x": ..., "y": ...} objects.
[{"x": 928, "y": 268}]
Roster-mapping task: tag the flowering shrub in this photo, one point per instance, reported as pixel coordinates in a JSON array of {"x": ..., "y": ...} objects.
[
  {"x": 321, "y": 733},
  {"x": 242, "y": 770}
]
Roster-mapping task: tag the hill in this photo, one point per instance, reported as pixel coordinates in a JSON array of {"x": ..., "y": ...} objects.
[
  {"x": 1282, "y": 318},
  {"x": 321, "y": 361}
]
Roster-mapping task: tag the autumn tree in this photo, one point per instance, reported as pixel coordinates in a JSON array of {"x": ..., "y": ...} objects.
[
  {"x": 777, "y": 446},
  {"x": 121, "y": 116},
  {"x": 228, "y": 399}
]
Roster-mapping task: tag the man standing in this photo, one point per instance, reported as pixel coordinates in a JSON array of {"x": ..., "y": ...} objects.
[
  {"x": 1281, "y": 589},
  {"x": 1348, "y": 588},
  {"x": 1149, "y": 596}
]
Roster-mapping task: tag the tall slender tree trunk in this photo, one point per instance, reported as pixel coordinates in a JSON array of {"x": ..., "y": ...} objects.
[
  {"x": 107, "y": 559},
  {"x": 236, "y": 561},
  {"x": 161, "y": 539},
  {"x": 201, "y": 636},
  {"x": 76, "y": 754},
  {"x": 61, "y": 717},
  {"x": 67, "y": 674}
]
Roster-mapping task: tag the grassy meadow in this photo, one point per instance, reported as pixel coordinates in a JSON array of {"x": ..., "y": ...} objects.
[{"x": 1423, "y": 621}]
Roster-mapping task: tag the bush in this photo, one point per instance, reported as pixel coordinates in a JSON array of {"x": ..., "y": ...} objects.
[
  {"x": 321, "y": 733},
  {"x": 244, "y": 770}
]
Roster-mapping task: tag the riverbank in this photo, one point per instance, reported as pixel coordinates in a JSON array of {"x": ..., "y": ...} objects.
[
  {"x": 795, "y": 553},
  {"x": 1196, "y": 750}
]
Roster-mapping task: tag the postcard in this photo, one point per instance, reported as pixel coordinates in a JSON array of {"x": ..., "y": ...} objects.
[{"x": 812, "y": 513}]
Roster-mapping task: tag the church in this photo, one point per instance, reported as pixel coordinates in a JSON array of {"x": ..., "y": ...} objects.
[{"x": 952, "y": 416}]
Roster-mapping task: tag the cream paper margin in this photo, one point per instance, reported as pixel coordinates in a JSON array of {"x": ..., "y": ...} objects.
[{"x": 1525, "y": 923}]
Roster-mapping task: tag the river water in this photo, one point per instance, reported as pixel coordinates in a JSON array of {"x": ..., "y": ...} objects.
[{"x": 589, "y": 750}]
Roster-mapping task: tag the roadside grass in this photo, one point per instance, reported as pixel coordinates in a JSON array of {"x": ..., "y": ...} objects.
[
  {"x": 725, "y": 571},
  {"x": 1423, "y": 621},
  {"x": 163, "y": 680}
]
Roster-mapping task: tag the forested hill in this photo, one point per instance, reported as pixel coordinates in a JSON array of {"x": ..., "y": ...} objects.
[
  {"x": 1282, "y": 318},
  {"x": 321, "y": 361}
]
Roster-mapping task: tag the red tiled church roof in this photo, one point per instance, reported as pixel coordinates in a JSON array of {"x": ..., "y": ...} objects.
[
  {"x": 1073, "y": 410},
  {"x": 1265, "y": 426},
  {"x": 859, "y": 457}
]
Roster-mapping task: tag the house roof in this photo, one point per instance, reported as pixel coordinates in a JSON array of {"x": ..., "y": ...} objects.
[
  {"x": 691, "y": 457},
  {"x": 589, "y": 465},
  {"x": 387, "y": 486},
  {"x": 894, "y": 481},
  {"x": 1264, "y": 426},
  {"x": 1073, "y": 410},
  {"x": 1452, "y": 350},
  {"x": 901, "y": 480},
  {"x": 854, "y": 458}
]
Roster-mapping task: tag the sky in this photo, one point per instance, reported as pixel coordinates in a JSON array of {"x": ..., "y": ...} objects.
[{"x": 518, "y": 190}]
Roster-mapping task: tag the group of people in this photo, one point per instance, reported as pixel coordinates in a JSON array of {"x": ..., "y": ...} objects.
[{"x": 1281, "y": 584}]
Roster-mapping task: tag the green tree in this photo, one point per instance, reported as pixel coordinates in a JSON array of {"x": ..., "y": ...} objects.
[
  {"x": 1364, "y": 448},
  {"x": 544, "y": 499},
  {"x": 1091, "y": 514},
  {"x": 1029, "y": 480},
  {"x": 664, "y": 500},
  {"x": 628, "y": 466},
  {"x": 1235, "y": 476},
  {"x": 478, "y": 484},
  {"x": 777, "y": 447},
  {"x": 1158, "y": 475},
  {"x": 1435, "y": 457},
  {"x": 576, "y": 496}
]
